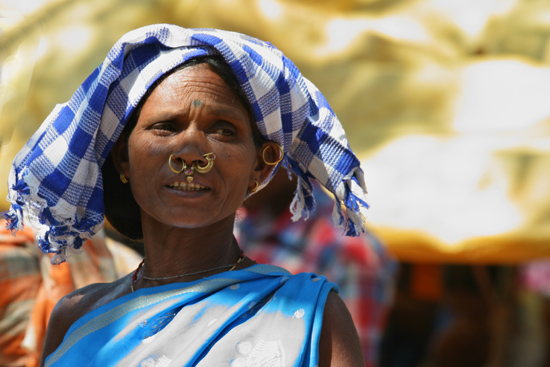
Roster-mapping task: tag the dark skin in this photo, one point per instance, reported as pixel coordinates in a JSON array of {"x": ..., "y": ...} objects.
[{"x": 191, "y": 113}]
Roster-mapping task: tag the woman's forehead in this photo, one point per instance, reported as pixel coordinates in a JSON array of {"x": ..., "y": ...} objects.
[
  {"x": 196, "y": 86},
  {"x": 194, "y": 80}
]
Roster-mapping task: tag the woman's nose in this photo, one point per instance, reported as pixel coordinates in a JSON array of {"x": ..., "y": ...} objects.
[{"x": 191, "y": 145}]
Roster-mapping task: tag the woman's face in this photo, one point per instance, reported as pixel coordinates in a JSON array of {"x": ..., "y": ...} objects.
[{"x": 191, "y": 113}]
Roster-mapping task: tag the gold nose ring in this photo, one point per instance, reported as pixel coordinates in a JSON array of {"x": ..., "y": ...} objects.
[
  {"x": 188, "y": 171},
  {"x": 183, "y": 167},
  {"x": 206, "y": 168}
]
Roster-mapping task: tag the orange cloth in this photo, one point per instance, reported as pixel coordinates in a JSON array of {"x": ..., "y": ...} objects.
[
  {"x": 19, "y": 281},
  {"x": 427, "y": 281},
  {"x": 31, "y": 286}
]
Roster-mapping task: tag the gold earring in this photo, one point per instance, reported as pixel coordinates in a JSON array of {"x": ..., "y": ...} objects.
[
  {"x": 183, "y": 167},
  {"x": 210, "y": 159},
  {"x": 281, "y": 155},
  {"x": 253, "y": 190},
  {"x": 123, "y": 178}
]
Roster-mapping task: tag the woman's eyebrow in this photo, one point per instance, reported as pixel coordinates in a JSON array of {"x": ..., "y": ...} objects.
[{"x": 232, "y": 111}]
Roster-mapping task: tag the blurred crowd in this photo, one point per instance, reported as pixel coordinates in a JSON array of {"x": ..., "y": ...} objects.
[{"x": 31, "y": 286}]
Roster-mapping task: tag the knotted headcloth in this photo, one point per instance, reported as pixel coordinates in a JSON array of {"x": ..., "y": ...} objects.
[{"x": 55, "y": 183}]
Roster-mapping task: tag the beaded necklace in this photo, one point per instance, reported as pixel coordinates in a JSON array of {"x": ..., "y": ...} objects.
[{"x": 135, "y": 275}]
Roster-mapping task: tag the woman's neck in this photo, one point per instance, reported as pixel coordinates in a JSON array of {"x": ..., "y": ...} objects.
[{"x": 173, "y": 251}]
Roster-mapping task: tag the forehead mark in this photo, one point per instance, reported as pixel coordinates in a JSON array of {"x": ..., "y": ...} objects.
[{"x": 196, "y": 103}]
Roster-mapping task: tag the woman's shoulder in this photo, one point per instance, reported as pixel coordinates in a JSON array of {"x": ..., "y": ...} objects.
[
  {"x": 78, "y": 303},
  {"x": 83, "y": 300},
  {"x": 339, "y": 344}
]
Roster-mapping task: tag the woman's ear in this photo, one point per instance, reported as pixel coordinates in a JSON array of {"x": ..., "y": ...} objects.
[
  {"x": 269, "y": 155},
  {"x": 119, "y": 154}
]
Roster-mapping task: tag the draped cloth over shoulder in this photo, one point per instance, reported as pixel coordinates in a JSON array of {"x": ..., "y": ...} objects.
[
  {"x": 260, "y": 316},
  {"x": 55, "y": 182}
]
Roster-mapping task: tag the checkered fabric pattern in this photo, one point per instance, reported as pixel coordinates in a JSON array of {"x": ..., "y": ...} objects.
[{"x": 55, "y": 182}]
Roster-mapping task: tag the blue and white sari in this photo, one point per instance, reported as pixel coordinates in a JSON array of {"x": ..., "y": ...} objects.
[{"x": 259, "y": 316}]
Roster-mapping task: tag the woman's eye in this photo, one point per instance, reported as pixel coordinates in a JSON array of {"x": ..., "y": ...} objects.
[
  {"x": 224, "y": 132},
  {"x": 163, "y": 127},
  {"x": 224, "y": 129}
]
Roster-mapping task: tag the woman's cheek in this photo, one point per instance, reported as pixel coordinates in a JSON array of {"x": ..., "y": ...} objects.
[{"x": 145, "y": 153}]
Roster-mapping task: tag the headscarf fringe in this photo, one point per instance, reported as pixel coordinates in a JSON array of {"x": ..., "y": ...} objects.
[
  {"x": 303, "y": 202},
  {"x": 61, "y": 236},
  {"x": 351, "y": 207}
]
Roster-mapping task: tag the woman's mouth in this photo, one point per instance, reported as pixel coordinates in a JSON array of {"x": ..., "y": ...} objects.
[{"x": 187, "y": 186}]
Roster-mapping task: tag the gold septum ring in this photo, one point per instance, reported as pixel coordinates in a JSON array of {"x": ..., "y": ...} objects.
[{"x": 194, "y": 166}]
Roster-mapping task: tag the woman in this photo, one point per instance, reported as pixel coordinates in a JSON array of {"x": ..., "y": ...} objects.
[{"x": 194, "y": 122}]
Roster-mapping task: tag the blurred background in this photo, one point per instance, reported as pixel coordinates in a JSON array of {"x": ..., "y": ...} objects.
[{"x": 447, "y": 104}]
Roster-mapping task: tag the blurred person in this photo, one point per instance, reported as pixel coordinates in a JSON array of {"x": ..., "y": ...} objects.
[
  {"x": 448, "y": 315},
  {"x": 20, "y": 281},
  {"x": 31, "y": 287},
  {"x": 361, "y": 266},
  {"x": 534, "y": 281},
  {"x": 468, "y": 336},
  {"x": 414, "y": 316},
  {"x": 475, "y": 318}
]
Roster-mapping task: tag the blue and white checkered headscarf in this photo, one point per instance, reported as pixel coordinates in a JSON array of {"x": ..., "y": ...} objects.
[{"x": 55, "y": 183}]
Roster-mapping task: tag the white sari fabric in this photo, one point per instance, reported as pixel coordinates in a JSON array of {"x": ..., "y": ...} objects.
[{"x": 259, "y": 316}]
